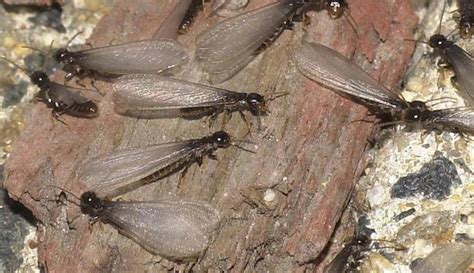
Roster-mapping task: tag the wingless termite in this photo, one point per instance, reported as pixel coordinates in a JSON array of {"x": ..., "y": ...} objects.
[
  {"x": 124, "y": 170},
  {"x": 177, "y": 229},
  {"x": 331, "y": 69},
  {"x": 61, "y": 98}
]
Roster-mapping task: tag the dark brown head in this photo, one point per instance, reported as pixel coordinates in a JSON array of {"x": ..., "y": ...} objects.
[
  {"x": 465, "y": 29},
  {"x": 62, "y": 55},
  {"x": 335, "y": 8},
  {"x": 221, "y": 139},
  {"x": 39, "y": 78},
  {"x": 417, "y": 111},
  {"x": 439, "y": 41},
  {"x": 256, "y": 103},
  {"x": 91, "y": 204}
]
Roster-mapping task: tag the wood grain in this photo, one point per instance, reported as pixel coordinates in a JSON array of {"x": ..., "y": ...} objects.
[{"x": 309, "y": 151}]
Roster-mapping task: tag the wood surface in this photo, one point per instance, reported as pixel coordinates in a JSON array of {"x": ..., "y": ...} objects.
[{"x": 309, "y": 151}]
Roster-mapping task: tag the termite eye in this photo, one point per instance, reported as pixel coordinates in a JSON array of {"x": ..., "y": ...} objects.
[
  {"x": 438, "y": 41},
  {"x": 419, "y": 105},
  {"x": 39, "y": 78},
  {"x": 221, "y": 138}
]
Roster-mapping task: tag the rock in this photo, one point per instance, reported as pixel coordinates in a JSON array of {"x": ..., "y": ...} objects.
[
  {"x": 309, "y": 138},
  {"x": 452, "y": 258},
  {"x": 433, "y": 181}
]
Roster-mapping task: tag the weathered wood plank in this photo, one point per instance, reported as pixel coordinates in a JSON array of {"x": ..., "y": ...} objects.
[{"x": 308, "y": 152}]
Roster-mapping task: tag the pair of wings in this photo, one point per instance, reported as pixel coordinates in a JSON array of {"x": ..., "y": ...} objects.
[
  {"x": 331, "y": 69},
  {"x": 107, "y": 173},
  {"x": 154, "y": 96},
  {"x": 146, "y": 57},
  {"x": 229, "y": 46},
  {"x": 172, "y": 228}
]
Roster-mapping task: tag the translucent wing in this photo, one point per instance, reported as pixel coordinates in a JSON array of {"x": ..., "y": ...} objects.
[
  {"x": 229, "y": 46},
  {"x": 458, "y": 118},
  {"x": 331, "y": 69},
  {"x": 463, "y": 65},
  {"x": 147, "y": 56},
  {"x": 68, "y": 95},
  {"x": 152, "y": 96},
  {"x": 175, "y": 229},
  {"x": 105, "y": 174}
]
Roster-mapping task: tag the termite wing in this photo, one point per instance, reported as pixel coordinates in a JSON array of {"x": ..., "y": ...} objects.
[
  {"x": 462, "y": 63},
  {"x": 152, "y": 56},
  {"x": 347, "y": 260},
  {"x": 466, "y": 17},
  {"x": 124, "y": 170},
  {"x": 331, "y": 69},
  {"x": 145, "y": 56},
  {"x": 60, "y": 98},
  {"x": 177, "y": 229},
  {"x": 226, "y": 48},
  {"x": 154, "y": 96}
]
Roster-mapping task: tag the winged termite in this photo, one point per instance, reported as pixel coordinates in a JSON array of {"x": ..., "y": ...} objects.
[
  {"x": 331, "y": 69},
  {"x": 466, "y": 18},
  {"x": 151, "y": 56},
  {"x": 226, "y": 48},
  {"x": 177, "y": 229},
  {"x": 461, "y": 62},
  {"x": 121, "y": 171},
  {"x": 350, "y": 255},
  {"x": 146, "y": 57},
  {"x": 154, "y": 96},
  {"x": 191, "y": 13},
  {"x": 61, "y": 98}
]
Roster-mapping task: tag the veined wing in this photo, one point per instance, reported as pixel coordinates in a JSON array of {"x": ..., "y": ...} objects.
[
  {"x": 146, "y": 56},
  {"x": 463, "y": 65},
  {"x": 118, "y": 169},
  {"x": 331, "y": 69},
  {"x": 228, "y": 47},
  {"x": 165, "y": 96}
]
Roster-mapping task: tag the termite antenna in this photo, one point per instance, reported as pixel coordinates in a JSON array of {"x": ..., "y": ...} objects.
[
  {"x": 416, "y": 41},
  {"x": 277, "y": 95},
  {"x": 73, "y": 37},
  {"x": 437, "y": 101},
  {"x": 67, "y": 191},
  {"x": 237, "y": 144},
  {"x": 441, "y": 19},
  {"x": 352, "y": 23},
  {"x": 389, "y": 123},
  {"x": 15, "y": 65}
]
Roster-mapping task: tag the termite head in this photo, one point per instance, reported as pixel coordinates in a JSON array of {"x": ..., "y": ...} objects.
[
  {"x": 91, "y": 204},
  {"x": 335, "y": 8},
  {"x": 256, "y": 103},
  {"x": 439, "y": 41},
  {"x": 39, "y": 78},
  {"x": 417, "y": 111},
  {"x": 62, "y": 55},
  {"x": 465, "y": 29},
  {"x": 221, "y": 139}
]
